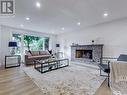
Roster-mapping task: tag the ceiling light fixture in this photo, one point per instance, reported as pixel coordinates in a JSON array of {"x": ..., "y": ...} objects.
[
  {"x": 78, "y": 23},
  {"x": 62, "y": 28},
  {"x": 27, "y": 18},
  {"x": 38, "y": 4},
  {"x": 105, "y": 14}
]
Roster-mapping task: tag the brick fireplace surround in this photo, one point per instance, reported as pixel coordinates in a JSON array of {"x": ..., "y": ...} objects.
[{"x": 87, "y": 53}]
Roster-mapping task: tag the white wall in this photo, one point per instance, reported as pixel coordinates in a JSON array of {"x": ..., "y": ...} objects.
[
  {"x": 0, "y": 46},
  {"x": 113, "y": 35},
  {"x": 6, "y": 36}
]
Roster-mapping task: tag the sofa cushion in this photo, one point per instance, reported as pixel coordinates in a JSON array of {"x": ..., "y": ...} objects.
[
  {"x": 122, "y": 57},
  {"x": 44, "y": 52},
  {"x": 35, "y": 53},
  {"x": 39, "y": 56}
]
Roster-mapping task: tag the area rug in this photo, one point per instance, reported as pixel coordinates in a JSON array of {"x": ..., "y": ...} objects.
[{"x": 72, "y": 80}]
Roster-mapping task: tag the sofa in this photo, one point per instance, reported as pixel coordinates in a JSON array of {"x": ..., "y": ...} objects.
[{"x": 30, "y": 56}]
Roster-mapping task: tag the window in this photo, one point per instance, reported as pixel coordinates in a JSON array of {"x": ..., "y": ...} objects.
[
  {"x": 17, "y": 38},
  {"x": 35, "y": 43}
]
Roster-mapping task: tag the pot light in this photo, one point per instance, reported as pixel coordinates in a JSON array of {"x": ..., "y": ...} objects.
[
  {"x": 27, "y": 18},
  {"x": 62, "y": 28},
  {"x": 38, "y": 5},
  {"x": 105, "y": 14},
  {"x": 78, "y": 23}
]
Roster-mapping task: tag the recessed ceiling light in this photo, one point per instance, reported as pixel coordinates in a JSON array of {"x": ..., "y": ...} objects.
[
  {"x": 38, "y": 4},
  {"x": 62, "y": 28},
  {"x": 78, "y": 23},
  {"x": 27, "y": 18},
  {"x": 105, "y": 14}
]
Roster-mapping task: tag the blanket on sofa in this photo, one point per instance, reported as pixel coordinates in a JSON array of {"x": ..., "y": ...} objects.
[
  {"x": 120, "y": 71},
  {"x": 119, "y": 77}
]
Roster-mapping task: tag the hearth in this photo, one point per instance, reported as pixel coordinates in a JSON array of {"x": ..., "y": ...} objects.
[
  {"x": 89, "y": 53},
  {"x": 83, "y": 53}
]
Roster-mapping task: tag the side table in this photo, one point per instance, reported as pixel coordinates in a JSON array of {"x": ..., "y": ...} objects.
[{"x": 12, "y": 61}]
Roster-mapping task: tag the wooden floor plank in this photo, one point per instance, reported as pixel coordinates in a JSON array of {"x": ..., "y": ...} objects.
[
  {"x": 104, "y": 89},
  {"x": 14, "y": 81}
]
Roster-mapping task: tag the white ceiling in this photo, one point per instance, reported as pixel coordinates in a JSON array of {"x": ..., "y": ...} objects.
[{"x": 55, "y": 14}]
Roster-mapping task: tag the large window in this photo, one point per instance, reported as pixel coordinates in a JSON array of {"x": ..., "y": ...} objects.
[
  {"x": 35, "y": 43},
  {"x": 32, "y": 43}
]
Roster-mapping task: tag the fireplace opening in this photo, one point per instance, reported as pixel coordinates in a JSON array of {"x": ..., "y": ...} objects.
[{"x": 83, "y": 54}]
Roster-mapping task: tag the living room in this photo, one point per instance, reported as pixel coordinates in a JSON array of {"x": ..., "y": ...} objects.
[{"x": 69, "y": 41}]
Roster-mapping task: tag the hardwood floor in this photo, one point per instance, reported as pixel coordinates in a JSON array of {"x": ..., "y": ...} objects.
[
  {"x": 104, "y": 89},
  {"x": 15, "y": 82}
]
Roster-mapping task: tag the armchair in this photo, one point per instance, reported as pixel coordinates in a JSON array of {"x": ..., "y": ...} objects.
[{"x": 106, "y": 65}]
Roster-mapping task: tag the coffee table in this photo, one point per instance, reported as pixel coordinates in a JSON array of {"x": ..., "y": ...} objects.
[{"x": 50, "y": 64}]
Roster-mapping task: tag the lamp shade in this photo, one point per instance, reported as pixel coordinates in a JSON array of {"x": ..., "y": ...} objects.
[{"x": 12, "y": 44}]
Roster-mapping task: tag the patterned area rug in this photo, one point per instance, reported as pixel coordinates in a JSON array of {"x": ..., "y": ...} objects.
[{"x": 72, "y": 80}]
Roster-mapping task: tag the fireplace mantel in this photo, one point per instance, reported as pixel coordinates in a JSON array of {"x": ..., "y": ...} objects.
[
  {"x": 87, "y": 45},
  {"x": 97, "y": 52}
]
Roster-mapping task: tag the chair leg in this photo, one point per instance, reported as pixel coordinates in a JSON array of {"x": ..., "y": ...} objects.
[{"x": 108, "y": 80}]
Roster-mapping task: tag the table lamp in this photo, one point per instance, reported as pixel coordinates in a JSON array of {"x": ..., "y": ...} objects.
[{"x": 12, "y": 45}]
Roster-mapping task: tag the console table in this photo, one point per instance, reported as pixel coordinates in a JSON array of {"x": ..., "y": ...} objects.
[{"x": 12, "y": 61}]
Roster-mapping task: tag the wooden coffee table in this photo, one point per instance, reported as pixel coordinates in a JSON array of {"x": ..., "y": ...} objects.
[{"x": 50, "y": 64}]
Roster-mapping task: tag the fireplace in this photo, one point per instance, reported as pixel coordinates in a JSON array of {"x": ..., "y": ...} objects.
[
  {"x": 87, "y": 53},
  {"x": 83, "y": 54}
]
